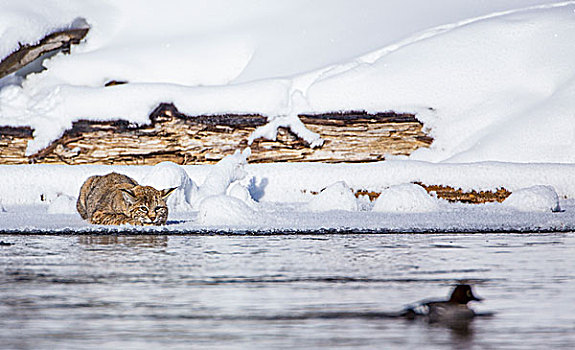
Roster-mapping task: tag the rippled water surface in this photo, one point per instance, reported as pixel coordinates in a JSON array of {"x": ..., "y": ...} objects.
[{"x": 267, "y": 292}]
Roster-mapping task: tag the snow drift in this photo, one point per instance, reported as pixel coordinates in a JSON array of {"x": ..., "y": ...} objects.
[
  {"x": 535, "y": 198},
  {"x": 337, "y": 196},
  {"x": 405, "y": 198},
  {"x": 494, "y": 87}
]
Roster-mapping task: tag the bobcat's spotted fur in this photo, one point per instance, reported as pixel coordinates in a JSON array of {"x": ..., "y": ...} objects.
[{"x": 117, "y": 199}]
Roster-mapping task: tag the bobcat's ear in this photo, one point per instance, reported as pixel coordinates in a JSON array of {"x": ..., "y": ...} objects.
[
  {"x": 165, "y": 193},
  {"x": 129, "y": 195}
]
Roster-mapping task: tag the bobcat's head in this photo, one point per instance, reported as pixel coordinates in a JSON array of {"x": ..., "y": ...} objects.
[{"x": 146, "y": 205}]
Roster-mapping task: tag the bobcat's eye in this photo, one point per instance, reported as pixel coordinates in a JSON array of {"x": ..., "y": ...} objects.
[
  {"x": 160, "y": 208},
  {"x": 143, "y": 209}
]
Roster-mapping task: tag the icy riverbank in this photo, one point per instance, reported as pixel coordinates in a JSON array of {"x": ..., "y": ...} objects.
[
  {"x": 234, "y": 196},
  {"x": 493, "y": 85}
]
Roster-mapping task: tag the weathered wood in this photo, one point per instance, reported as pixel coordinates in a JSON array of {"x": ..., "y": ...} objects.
[
  {"x": 450, "y": 194},
  {"x": 27, "y": 53},
  {"x": 362, "y": 137},
  {"x": 13, "y": 142},
  {"x": 173, "y": 136},
  {"x": 115, "y": 82}
]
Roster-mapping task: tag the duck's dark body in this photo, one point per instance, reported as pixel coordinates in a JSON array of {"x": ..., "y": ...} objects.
[{"x": 453, "y": 309}]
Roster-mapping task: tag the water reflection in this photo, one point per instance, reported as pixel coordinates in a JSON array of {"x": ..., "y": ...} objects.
[
  {"x": 144, "y": 241},
  {"x": 461, "y": 333}
]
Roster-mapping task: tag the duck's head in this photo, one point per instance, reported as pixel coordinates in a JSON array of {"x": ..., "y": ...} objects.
[{"x": 462, "y": 294}]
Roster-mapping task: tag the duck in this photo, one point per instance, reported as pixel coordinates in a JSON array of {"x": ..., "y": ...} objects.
[{"x": 452, "y": 310}]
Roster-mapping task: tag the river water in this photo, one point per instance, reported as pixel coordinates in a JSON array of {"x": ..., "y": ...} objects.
[{"x": 282, "y": 291}]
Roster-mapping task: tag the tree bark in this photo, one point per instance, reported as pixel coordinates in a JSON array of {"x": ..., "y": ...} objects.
[
  {"x": 173, "y": 136},
  {"x": 26, "y": 54}
]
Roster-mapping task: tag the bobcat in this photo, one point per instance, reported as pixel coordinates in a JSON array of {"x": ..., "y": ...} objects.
[{"x": 117, "y": 199}]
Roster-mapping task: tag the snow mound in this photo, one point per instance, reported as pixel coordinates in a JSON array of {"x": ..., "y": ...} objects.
[
  {"x": 408, "y": 198},
  {"x": 225, "y": 210},
  {"x": 169, "y": 175},
  {"x": 62, "y": 204},
  {"x": 224, "y": 173},
  {"x": 239, "y": 191},
  {"x": 538, "y": 198},
  {"x": 337, "y": 196}
]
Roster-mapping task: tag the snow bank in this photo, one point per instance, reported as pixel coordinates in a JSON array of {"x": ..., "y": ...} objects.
[
  {"x": 36, "y": 201},
  {"x": 493, "y": 88},
  {"x": 224, "y": 173},
  {"x": 219, "y": 41},
  {"x": 291, "y": 182},
  {"x": 222, "y": 200},
  {"x": 337, "y": 196},
  {"x": 489, "y": 80},
  {"x": 405, "y": 198},
  {"x": 241, "y": 192},
  {"x": 223, "y": 210},
  {"x": 285, "y": 182},
  {"x": 535, "y": 198}
]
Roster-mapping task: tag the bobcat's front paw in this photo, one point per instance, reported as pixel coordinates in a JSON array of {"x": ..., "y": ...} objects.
[{"x": 135, "y": 222}]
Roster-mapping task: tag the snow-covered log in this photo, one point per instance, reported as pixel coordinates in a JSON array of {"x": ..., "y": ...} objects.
[
  {"x": 27, "y": 53},
  {"x": 13, "y": 143},
  {"x": 448, "y": 193},
  {"x": 173, "y": 136}
]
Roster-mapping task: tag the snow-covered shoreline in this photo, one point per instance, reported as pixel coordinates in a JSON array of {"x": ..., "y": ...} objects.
[
  {"x": 493, "y": 84},
  {"x": 291, "y": 219},
  {"x": 292, "y": 182},
  {"x": 277, "y": 198}
]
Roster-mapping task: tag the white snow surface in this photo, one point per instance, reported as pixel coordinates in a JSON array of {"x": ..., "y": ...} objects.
[
  {"x": 223, "y": 210},
  {"x": 405, "y": 198},
  {"x": 492, "y": 81},
  {"x": 337, "y": 196},
  {"x": 534, "y": 198},
  {"x": 62, "y": 204}
]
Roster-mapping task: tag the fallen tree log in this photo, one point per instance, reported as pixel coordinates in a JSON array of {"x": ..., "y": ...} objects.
[
  {"x": 27, "y": 53},
  {"x": 13, "y": 142},
  {"x": 173, "y": 136},
  {"x": 448, "y": 193},
  {"x": 451, "y": 194}
]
